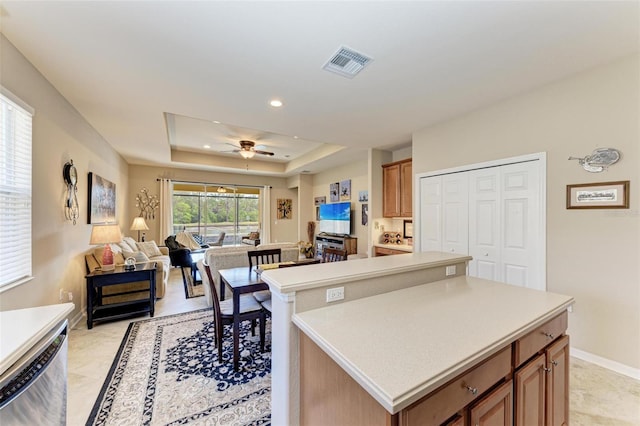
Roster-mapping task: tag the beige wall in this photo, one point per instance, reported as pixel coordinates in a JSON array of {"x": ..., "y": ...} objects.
[
  {"x": 146, "y": 177},
  {"x": 592, "y": 255},
  {"x": 59, "y": 134},
  {"x": 358, "y": 173}
]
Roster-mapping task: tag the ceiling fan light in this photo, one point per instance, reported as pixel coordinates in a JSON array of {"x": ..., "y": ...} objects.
[{"x": 247, "y": 153}]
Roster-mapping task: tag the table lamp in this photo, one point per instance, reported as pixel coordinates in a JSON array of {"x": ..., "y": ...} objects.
[
  {"x": 106, "y": 234},
  {"x": 139, "y": 225}
]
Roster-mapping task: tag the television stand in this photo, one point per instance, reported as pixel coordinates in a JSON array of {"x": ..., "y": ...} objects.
[{"x": 342, "y": 242}]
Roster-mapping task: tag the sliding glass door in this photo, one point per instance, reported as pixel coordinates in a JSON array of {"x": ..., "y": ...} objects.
[{"x": 206, "y": 211}]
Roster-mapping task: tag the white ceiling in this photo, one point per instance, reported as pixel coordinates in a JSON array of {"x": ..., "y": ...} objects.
[{"x": 133, "y": 68}]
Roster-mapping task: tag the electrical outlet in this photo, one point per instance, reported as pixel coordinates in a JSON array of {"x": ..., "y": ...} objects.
[
  {"x": 61, "y": 295},
  {"x": 70, "y": 295},
  {"x": 334, "y": 294},
  {"x": 451, "y": 270}
]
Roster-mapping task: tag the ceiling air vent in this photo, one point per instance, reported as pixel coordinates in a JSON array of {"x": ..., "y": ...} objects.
[{"x": 347, "y": 62}]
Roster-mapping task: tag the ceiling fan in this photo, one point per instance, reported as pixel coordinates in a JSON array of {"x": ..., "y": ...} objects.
[{"x": 248, "y": 150}]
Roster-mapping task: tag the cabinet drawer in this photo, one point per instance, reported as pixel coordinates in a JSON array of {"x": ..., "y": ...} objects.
[
  {"x": 440, "y": 405},
  {"x": 532, "y": 343},
  {"x": 383, "y": 251}
]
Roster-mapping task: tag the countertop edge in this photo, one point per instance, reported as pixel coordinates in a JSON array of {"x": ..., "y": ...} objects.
[
  {"x": 59, "y": 312},
  {"x": 271, "y": 276}
]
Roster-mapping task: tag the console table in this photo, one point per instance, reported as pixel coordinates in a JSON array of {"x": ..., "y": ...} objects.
[
  {"x": 342, "y": 242},
  {"x": 97, "y": 280}
]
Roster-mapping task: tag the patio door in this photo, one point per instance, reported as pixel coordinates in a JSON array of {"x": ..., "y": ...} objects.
[{"x": 206, "y": 211}]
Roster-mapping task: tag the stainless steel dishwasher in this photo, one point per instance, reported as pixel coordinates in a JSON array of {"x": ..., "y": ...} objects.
[{"x": 33, "y": 391}]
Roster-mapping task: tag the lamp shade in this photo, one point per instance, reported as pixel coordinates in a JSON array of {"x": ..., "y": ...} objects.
[
  {"x": 105, "y": 234},
  {"x": 139, "y": 224}
]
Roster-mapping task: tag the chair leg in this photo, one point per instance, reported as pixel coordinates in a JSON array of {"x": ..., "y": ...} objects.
[
  {"x": 218, "y": 333},
  {"x": 253, "y": 327},
  {"x": 263, "y": 330}
]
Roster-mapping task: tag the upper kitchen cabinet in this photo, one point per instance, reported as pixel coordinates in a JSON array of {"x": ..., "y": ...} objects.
[{"x": 397, "y": 189}]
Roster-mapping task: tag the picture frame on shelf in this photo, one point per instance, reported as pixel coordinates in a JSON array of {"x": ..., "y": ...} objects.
[{"x": 599, "y": 195}]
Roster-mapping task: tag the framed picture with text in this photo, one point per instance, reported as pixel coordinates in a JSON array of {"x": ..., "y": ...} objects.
[{"x": 601, "y": 195}]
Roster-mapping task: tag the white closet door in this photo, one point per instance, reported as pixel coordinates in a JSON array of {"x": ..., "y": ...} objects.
[
  {"x": 484, "y": 223},
  {"x": 520, "y": 250},
  {"x": 455, "y": 213},
  {"x": 431, "y": 213}
]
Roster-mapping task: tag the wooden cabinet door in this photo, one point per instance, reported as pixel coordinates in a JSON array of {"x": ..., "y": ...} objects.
[
  {"x": 495, "y": 409},
  {"x": 530, "y": 389},
  {"x": 406, "y": 189},
  {"x": 558, "y": 383},
  {"x": 391, "y": 190}
]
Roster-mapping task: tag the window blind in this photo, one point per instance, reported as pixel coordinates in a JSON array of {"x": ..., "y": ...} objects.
[{"x": 15, "y": 192}]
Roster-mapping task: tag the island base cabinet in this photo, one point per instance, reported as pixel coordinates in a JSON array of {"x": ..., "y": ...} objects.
[
  {"x": 542, "y": 387},
  {"x": 495, "y": 409},
  {"x": 329, "y": 396}
]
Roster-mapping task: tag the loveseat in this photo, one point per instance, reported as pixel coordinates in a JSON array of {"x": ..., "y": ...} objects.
[
  {"x": 142, "y": 252},
  {"x": 235, "y": 256}
]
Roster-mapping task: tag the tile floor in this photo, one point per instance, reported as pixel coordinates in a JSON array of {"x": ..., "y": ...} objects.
[{"x": 598, "y": 396}]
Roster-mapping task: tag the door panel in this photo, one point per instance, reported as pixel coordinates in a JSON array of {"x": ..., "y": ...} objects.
[
  {"x": 484, "y": 224},
  {"x": 520, "y": 249},
  {"x": 430, "y": 213},
  {"x": 455, "y": 202}
]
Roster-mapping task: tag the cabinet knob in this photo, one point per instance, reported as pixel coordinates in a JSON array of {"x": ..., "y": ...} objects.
[
  {"x": 474, "y": 391},
  {"x": 451, "y": 250},
  {"x": 486, "y": 254},
  {"x": 555, "y": 363},
  {"x": 547, "y": 370},
  {"x": 549, "y": 335}
]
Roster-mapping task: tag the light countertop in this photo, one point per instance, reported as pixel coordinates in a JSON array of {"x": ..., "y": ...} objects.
[
  {"x": 289, "y": 280},
  {"x": 401, "y": 247},
  {"x": 402, "y": 345},
  {"x": 22, "y": 328}
]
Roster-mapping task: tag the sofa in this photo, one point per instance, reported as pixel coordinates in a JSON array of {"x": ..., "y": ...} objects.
[
  {"x": 235, "y": 256},
  {"x": 142, "y": 252},
  {"x": 253, "y": 239}
]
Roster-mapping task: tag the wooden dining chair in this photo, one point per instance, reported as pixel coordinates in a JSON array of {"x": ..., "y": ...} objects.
[
  {"x": 333, "y": 255},
  {"x": 262, "y": 257},
  {"x": 250, "y": 310}
]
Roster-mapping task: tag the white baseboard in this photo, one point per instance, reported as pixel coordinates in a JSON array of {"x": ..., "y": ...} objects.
[
  {"x": 76, "y": 319},
  {"x": 634, "y": 373}
]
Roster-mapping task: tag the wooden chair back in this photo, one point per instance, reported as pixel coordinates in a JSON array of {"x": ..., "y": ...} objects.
[
  {"x": 261, "y": 257},
  {"x": 333, "y": 255}
]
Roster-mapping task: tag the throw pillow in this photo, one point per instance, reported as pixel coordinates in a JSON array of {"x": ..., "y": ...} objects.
[
  {"x": 140, "y": 257},
  {"x": 254, "y": 235},
  {"x": 131, "y": 243},
  {"x": 150, "y": 248}
]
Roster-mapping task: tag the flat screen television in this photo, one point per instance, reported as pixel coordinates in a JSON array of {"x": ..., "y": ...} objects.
[{"x": 335, "y": 218}]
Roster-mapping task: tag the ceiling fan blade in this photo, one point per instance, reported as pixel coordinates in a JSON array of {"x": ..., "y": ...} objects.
[{"x": 264, "y": 152}]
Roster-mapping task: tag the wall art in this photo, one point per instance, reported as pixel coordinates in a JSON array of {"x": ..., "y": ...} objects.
[
  {"x": 319, "y": 200},
  {"x": 334, "y": 192},
  {"x": 284, "y": 208},
  {"x": 601, "y": 195},
  {"x": 365, "y": 214},
  {"x": 102, "y": 200},
  {"x": 345, "y": 190},
  {"x": 363, "y": 196}
]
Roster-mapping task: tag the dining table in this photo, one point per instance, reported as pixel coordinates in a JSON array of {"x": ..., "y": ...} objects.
[{"x": 243, "y": 280}]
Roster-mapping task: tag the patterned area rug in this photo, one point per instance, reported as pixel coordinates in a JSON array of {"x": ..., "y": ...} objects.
[{"x": 167, "y": 373}]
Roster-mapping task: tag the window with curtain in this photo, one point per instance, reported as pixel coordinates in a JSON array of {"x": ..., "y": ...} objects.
[
  {"x": 208, "y": 210},
  {"x": 15, "y": 191}
]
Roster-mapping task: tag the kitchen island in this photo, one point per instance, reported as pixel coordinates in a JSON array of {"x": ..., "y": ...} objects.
[
  {"x": 425, "y": 354},
  {"x": 304, "y": 288}
]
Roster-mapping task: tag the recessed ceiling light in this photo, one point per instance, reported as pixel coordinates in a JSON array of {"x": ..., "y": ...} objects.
[
  {"x": 216, "y": 122},
  {"x": 275, "y": 103},
  {"x": 206, "y": 146},
  {"x": 295, "y": 137}
]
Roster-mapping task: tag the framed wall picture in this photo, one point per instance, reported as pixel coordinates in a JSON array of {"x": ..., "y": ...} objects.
[
  {"x": 334, "y": 192},
  {"x": 320, "y": 200},
  {"x": 363, "y": 196},
  {"x": 284, "y": 208},
  {"x": 102, "y": 200},
  {"x": 365, "y": 214},
  {"x": 601, "y": 195},
  {"x": 345, "y": 190}
]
